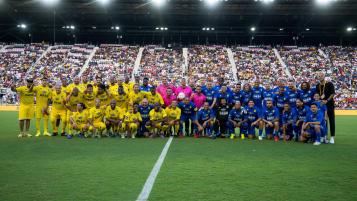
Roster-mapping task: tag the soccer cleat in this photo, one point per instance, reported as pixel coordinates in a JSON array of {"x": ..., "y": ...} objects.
[
  {"x": 213, "y": 137},
  {"x": 133, "y": 136},
  {"x": 317, "y": 143},
  {"x": 260, "y": 138},
  {"x": 20, "y": 135},
  {"x": 122, "y": 136},
  {"x": 80, "y": 135},
  {"x": 69, "y": 136},
  {"x": 38, "y": 134},
  {"x": 54, "y": 134},
  {"x": 46, "y": 134},
  {"x": 232, "y": 136},
  {"x": 196, "y": 135},
  {"x": 332, "y": 140},
  {"x": 276, "y": 138},
  {"x": 242, "y": 136},
  {"x": 63, "y": 134},
  {"x": 28, "y": 135}
]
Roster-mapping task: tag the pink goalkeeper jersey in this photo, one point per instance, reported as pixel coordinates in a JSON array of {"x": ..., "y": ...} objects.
[
  {"x": 198, "y": 99},
  {"x": 187, "y": 91},
  {"x": 162, "y": 89},
  {"x": 168, "y": 99}
]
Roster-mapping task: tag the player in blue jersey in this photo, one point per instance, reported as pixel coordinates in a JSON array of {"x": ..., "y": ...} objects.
[
  {"x": 257, "y": 95},
  {"x": 144, "y": 110},
  {"x": 254, "y": 120},
  {"x": 302, "y": 111},
  {"x": 238, "y": 119},
  {"x": 306, "y": 93},
  {"x": 145, "y": 87},
  {"x": 292, "y": 95},
  {"x": 210, "y": 93},
  {"x": 288, "y": 119},
  {"x": 205, "y": 119},
  {"x": 236, "y": 93},
  {"x": 268, "y": 94},
  {"x": 223, "y": 94},
  {"x": 246, "y": 94},
  {"x": 323, "y": 108},
  {"x": 188, "y": 116},
  {"x": 280, "y": 99},
  {"x": 313, "y": 126},
  {"x": 270, "y": 117}
]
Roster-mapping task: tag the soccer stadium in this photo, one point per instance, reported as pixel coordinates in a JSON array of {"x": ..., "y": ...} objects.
[{"x": 166, "y": 100}]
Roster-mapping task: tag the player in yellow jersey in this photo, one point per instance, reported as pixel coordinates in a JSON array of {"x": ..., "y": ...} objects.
[
  {"x": 65, "y": 88},
  {"x": 96, "y": 119},
  {"x": 128, "y": 85},
  {"x": 76, "y": 84},
  {"x": 173, "y": 114},
  {"x": 121, "y": 98},
  {"x": 103, "y": 95},
  {"x": 113, "y": 85},
  {"x": 154, "y": 97},
  {"x": 158, "y": 121},
  {"x": 71, "y": 102},
  {"x": 59, "y": 110},
  {"x": 113, "y": 119},
  {"x": 43, "y": 93},
  {"x": 88, "y": 97},
  {"x": 26, "y": 111},
  {"x": 79, "y": 122},
  {"x": 136, "y": 96},
  {"x": 132, "y": 120},
  {"x": 84, "y": 84}
]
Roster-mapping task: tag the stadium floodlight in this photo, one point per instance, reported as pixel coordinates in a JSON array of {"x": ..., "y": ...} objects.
[
  {"x": 72, "y": 27},
  {"x": 324, "y": 2},
  {"x": 349, "y": 29},
  {"x": 212, "y": 29},
  {"x": 307, "y": 29},
  {"x": 252, "y": 29},
  {"x": 281, "y": 29},
  {"x": 49, "y": 2},
  {"x": 158, "y": 3},
  {"x": 117, "y": 27},
  {"x": 165, "y": 28},
  {"x": 211, "y": 3},
  {"x": 267, "y": 1},
  {"x": 104, "y": 2},
  {"x": 22, "y": 26},
  {"x": 157, "y": 28}
]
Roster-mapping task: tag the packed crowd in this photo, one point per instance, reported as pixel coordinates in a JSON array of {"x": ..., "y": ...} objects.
[
  {"x": 112, "y": 60},
  {"x": 16, "y": 59},
  {"x": 257, "y": 63},
  {"x": 158, "y": 61},
  {"x": 208, "y": 63}
]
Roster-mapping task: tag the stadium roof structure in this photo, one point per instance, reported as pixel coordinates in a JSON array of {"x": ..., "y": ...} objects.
[{"x": 140, "y": 22}]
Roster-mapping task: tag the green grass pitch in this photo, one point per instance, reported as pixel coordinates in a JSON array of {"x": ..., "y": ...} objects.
[{"x": 54, "y": 168}]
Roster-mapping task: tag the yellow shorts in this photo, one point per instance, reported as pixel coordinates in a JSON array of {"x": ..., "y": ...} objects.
[
  {"x": 58, "y": 114},
  {"x": 98, "y": 125},
  {"x": 39, "y": 114},
  {"x": 132, "y": 126},
  {"x": 26, "y": 112},
  {"x": 80, "y": 127}
]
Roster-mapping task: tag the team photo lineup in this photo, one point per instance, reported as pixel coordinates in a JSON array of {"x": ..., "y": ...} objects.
[{"x": 122, "y": 108}]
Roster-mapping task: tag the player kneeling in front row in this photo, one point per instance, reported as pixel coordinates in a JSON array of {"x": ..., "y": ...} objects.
[
  {"x": 238, "y": 119},
  {"x": 113, "y": 120},
  {"x": 313, "y": 125},
  {"x": 157, "y": 125},
  {"x": 270, "y": 116},
  {"x": 205, "y": 120},
  {"x": 96, "y": 118},
  {"x": 288, "y": 119},
  {"x": 79, "y": 122},
  {"x": 132, "y": 120},
  {"x": 173, "y": 118},
  {"x": 254, "y": 120}
]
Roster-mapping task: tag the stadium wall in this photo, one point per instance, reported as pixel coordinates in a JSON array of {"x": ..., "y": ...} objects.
[{"x": 337, "y": 112}]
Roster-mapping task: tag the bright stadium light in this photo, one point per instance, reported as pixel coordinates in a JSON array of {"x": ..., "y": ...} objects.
[
  {"x": 349, "y": 29},
  {"x": 72, "y": 27},
  {"x": 211, "y": 3},
  {"x": 307, "y": 29},
  {"x": 158, "y": 3},
  {"x": 281, "y": 29},
  {"x": 49, "y": 2},
  {"x": 324, "y": 2},
  {"x": 267, "y": 1},
  {"x": 104, "y": 2},
  {"x": 22, "y": 26},
  {"x": 117, "y": 28},
  {"x": 252, "y": 29}
]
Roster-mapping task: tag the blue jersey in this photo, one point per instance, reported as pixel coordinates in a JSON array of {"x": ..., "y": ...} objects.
[
  {"x": 145, "y": 88},
  {"x": 268, "y": 95},
  {"x": 209, "y": 93},
  {"x": 204, "y": 115},
  {"x": 236, "y": 96},
  {"x": 280, "y": 99},
  {"x": 257, "y": 96},
  {"x": 246, "y": 96},
  {"x": 289, "y": 116},
  {"x": 225, "y": 95},
  {"x": 144, "y": 111},
  {"x": 187, "y": 109},
  {"x": 302, "y": 112},
  {"x": 237, "y": 115},
  {"x": 322, "y": 107},
  {"x": 316, "y": 117},
  {"x": 270, "y": 114},
  {"x": 292, "y": 97},
  {"x": 306, "y": 96},
  {"x": 217, "y": 89},
  {"x": 253, "y": 114}
]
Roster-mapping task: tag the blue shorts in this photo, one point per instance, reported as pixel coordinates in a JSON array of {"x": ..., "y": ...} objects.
[{"x": 186, "y": 117}]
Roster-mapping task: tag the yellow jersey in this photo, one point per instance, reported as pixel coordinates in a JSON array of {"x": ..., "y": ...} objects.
[
  {"x": 157, "y": 98},
  {"x": 128, "y": 87},
  {"x": 132, "y": 117},
  {"x": 97, "y": 114},
  {"x": 116, "y": 113},
  {"x": 73, "y": 101},
  {"x": 173, "y": 114},
  {"x": 113, "y": 88},
  {"x": 155, "y": 116},
  {"x": 83, "y": 86},
  {"x": 42, "y": 95},
  {"x": 89, "y": 99},
  {"x": 122, "y": 99},
  {"x": 81, "y": 117},
  {"x": 104, "y": 99},
  {"x": 58, "y": 100},
  {"x": 66, "y": 90},
  {"x": 136, "y": 97},
  {"x": 72, "y": 86},
  {"x": 25, "y": 95}
]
